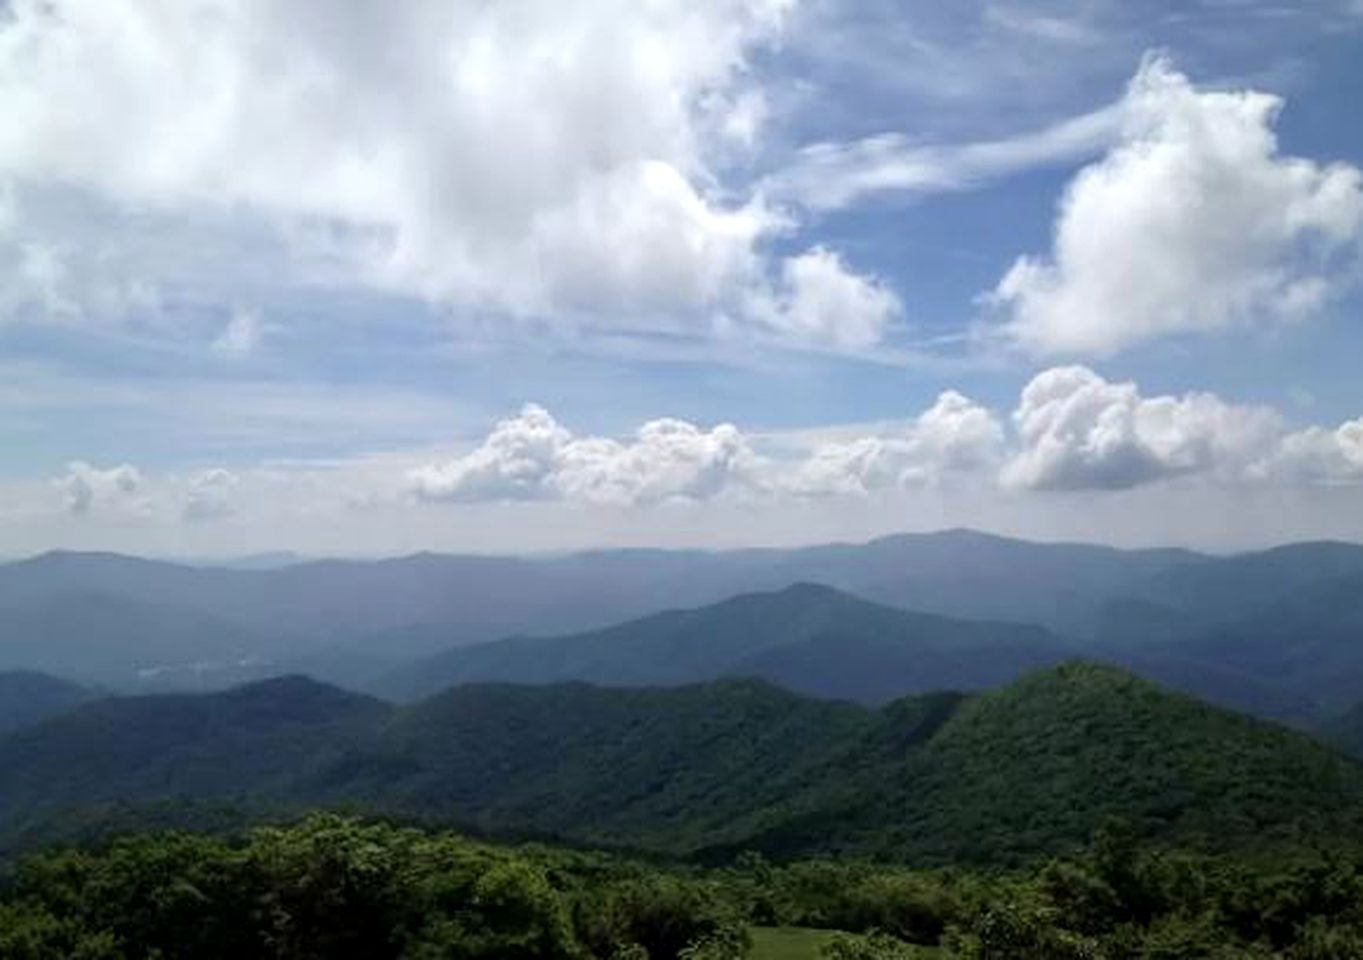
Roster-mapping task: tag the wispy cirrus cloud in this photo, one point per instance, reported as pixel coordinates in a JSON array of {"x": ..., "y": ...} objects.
[{"x": 829, "y": 176}]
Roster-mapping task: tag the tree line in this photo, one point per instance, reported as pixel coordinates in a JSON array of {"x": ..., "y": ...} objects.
[{"x": 331, "y": 886}]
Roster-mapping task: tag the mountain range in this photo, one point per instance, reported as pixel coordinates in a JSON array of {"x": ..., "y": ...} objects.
[
  {"x": 707, "y": 770},
  {"x": 807, "y": 638},
  {"x": 818, "y": 641},
  {"x": 1275, "y": 632}
]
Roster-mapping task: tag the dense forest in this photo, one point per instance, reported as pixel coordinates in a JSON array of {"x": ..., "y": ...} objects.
[
  {"x": 710, "y": 770},
  {"x": 328, "y": 887}
]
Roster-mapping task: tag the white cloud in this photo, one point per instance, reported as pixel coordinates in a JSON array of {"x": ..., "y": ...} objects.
[
  {"x": 1319, "y": 455},
  {"x": 819, "y": 300},
  {"x": 1193, "y": 222},
  {"x": 954, "y": 438},
  {"x": 533, "y": 457},
  {"x": 526, "y": 158},
  {"x": 87, "y": 487},
  {"x": 240, "y": 337},
  {"x": 516, "y": 461},
  {"x": 210, "y": 495},
  {"x": 1072, "y": 430},
  {"x": 1077, "y": 431},
  {"x": 830, "y": 176},
  {"x": 1111, "y": 461}
]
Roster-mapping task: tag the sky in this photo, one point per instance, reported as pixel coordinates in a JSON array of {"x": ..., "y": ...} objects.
[{"x": 522, "y": 276}]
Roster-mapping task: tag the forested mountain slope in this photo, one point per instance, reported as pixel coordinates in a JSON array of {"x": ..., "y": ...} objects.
[
  {"x": 712, "y": 769},
  {"x": 251, "y": 742}
]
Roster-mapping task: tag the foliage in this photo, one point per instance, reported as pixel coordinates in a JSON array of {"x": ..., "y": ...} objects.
[
  {"x": 710, "y": 771},
  {"x": 872, "y": 946},
  {"x": 331, "y": 886},
  {"x": 1116, "y": 900}
]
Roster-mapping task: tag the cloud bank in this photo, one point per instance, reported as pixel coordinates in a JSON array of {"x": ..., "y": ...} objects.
[
  {"x": 533, "y": 457},
  {"x": 1071, "y": 431}
]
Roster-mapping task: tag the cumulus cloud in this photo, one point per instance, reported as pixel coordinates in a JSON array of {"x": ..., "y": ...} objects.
[
  {"x": 1072, "y": 430},
  {"x": 819, "y": 300},
  {"x": 954, "y": 438},
  {"x": 88, "y": 487},
  {"x": 210, "y": 495},
  {"x": 516, "y": 461},
  {"x": 124, "y": 491},
  {"x": 1192, "y": 222},
  {"x": 528, "y": 158},
  {"x": 1078, "y": 431},
  {"x": 1320, "y": 455},
  {"x": 533, "y": 457}
]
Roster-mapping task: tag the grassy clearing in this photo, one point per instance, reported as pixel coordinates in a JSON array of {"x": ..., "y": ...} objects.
[
  {"x": 802, "y": 943},
  {"x": 787, "y": 943}
]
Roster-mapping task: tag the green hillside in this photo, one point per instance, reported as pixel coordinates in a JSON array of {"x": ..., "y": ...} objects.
[
  {"x": 711, "y": 770},
  {"x": 1043, "y": 762},
  {"x": 251, "y": 743},
  {"x": 667, "y": 768}
]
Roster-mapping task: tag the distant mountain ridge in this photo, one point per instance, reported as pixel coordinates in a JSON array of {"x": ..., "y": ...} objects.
[
  {"x": 711, "y": 769},
  {"x": 818, "y": 641},
  {"x": 1268, "y": 631},
  {"x": 27, "y": 697},
  {"x": 101, "y": 638},
  {"x": 952, "y": 573},
  {"x": 808, "y": 638}
]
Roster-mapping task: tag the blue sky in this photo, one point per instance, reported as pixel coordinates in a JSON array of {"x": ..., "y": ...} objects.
[{"x": 533, "y": 276}]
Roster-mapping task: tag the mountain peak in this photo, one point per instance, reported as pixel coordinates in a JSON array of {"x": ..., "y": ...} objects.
[
  {"x": 299, "y": 694},
  {"x": 808, "y": 590}
]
